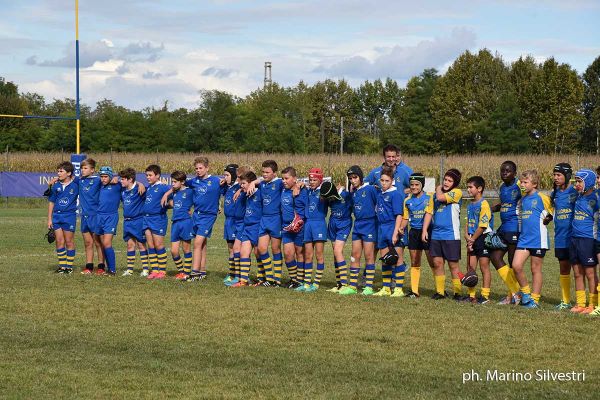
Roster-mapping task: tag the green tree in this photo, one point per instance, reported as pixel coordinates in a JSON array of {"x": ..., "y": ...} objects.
[{"x": 591, "y": 108}]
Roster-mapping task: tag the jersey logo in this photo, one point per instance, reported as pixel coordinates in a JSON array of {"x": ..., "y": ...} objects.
[
  {"x": 177, "y": 205},
  {"x": 451, "y": 195},
  {"x": 63, "y": 202},
  {"x": 484, "y": 219},
  {"x": 267, "y": 200},
  {"x": 534, "y": 203},
  {"x": 202, "y": 189},
  {"x": 364, "y": 194}
]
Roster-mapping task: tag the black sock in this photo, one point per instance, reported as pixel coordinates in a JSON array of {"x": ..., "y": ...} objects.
[
  {"x": 89, "y": 266},
  {"x": 101, "y": 266}
]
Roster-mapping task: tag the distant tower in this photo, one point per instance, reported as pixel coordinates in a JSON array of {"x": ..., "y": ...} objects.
[{"x": 268, "y": 79}]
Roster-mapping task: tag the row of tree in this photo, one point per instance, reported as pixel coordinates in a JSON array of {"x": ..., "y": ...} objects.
[{"x": 481, "y": 104}]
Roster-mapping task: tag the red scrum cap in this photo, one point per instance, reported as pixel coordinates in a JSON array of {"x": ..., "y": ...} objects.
[{"x": 316, "y": 173}]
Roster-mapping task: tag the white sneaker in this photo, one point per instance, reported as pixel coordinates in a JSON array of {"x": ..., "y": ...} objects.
[
  {"x": 127, "y": 273},
  {"x": 145, "y": 273}
]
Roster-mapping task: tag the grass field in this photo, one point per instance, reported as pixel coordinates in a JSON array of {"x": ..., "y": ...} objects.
[{"x": 125, "y": 337}]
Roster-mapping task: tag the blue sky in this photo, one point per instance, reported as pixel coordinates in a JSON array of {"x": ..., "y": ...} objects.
[{"x": 142, "y": 52}]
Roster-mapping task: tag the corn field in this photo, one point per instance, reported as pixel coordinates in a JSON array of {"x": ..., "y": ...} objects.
[{"x": 333, "y": 165}]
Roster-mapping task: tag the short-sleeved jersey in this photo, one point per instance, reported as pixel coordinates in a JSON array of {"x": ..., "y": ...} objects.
[
  {"x": 316, "y": 208},
  {"x": 401, "y": 176},
  {"x": 341, "y": 209},
  {"x": 207, "y": 193},
  {"x": 271, "y": 196},
  {"x": 414, "y": 209},
  {"x": 64, "y": 197},
  {"x": 364, "y": 201},
  {"x": 446, "y": 215},
  {"x": 564, "y": 205},
  {"x": 89, "y": 194},
  {"x": 534, "y": 208},
  {"x": 110, "y": 198},
  {"x": 389, "y": 205},
  {"x": 479, "y": 215},
  {"x": 240, "y": 207},
  {"x": 290, "y": 204},
  {"x": 254, "y": 208},
  {"x": 509, "y": 211},
  {"x": 183, "y": 200},
  {"x": 228, "y": 204},
  {"x": 585, "y": 217},
  {"x": 133, "y": 202},
  {"x": 154, "y": 194}
]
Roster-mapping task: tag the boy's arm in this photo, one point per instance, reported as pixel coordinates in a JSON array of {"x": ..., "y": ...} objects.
[
  {"x": 141, "y": 188},
  {"x": 397, "y": 233},
  {"x": 165, "y": 198},
  {"x": 50, "y": 209}
]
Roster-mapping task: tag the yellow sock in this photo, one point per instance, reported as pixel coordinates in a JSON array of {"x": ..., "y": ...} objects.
[
  {"x": 513, "y": 283},
  {"x": 565, "y": 287},
  {"x": 415, "y": 276},
  {"x": 485, "y": 292},
  {"x": 440, "y": 283},
  {"x": 526, "y": 289},
  {"x": 472, "y": 292},
  {"x": 536, "y": 297},
  {"x": 507, "y": 277},
  {"x": 594, "y": 299},
  {"x": 456, "y": 286},
  {"x": 580, "y": 297}
]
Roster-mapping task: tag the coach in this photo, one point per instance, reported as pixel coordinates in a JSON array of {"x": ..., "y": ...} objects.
[{"x": 393, "y": 159}]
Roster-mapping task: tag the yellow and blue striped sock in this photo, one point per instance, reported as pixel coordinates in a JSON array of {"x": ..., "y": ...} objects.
[
  {"x": 130, "y": 260},
  {"x": 153, "y": 260},
  {"x": 70, "y": 258},
  {"x": 260, "y": 269},
  {"x": 244, "y": 269},
  {"x": 343, "y": 273},
  {"x": 354, "y": 271},
  {"x": 300, "y": 271},
  {"x": 337, "y": 272},
  {"x": 161, "y": 255},
  {"x": 178, "y": 262},
  {"x": 144, "y": 259},
  {"x": 369, "y": 275},
  {"x": 319, "y": 274},
  {"x": 277, "y": 267},
  {"x": 292, "y": 269},
  {"x": 308, "y": 273},
  {"x": 386, "y": 275},
  {"x": 266, "y": 263},
  {"x": 62, "y": 257},
  {"x": 236, "y": 265},
  {"x": 399, "y": 275},
  {"x": 231, "y": 264},
  {"x": 187, "y": 263}
]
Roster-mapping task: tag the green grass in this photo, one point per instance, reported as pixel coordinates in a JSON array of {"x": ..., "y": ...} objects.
[{"x": 99, "y": 337}]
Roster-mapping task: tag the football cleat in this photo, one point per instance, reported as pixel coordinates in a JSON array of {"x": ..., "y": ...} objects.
[
  {"x": 239, "y": 284},
  {"x": 100, "y": 271},
  {"x": 368, "y": 291},
  {"x": 587, "y": 310},
  {"x": 347, "y": 290},
  {"x": 596, "y": 312},
  {"x": 437, "y": 296},
  {"x": 399, "y": 292},
  {"x": 87, "y": 271},
  {"x": 385, "y": 291},
  {"x": 563, "y": 306},
  {"x": 411, "y": 295},
  {"x": 127, "y": 273},
  {"x": 144, "y": 273}
]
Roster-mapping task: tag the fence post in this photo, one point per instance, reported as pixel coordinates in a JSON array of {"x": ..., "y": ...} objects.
[
  {"x": 6, "y": 160},
  {"x": 441, "y": 177}
]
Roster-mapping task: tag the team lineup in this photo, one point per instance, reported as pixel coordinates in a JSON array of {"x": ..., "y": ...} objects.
[{"x": 280, "y": 220}]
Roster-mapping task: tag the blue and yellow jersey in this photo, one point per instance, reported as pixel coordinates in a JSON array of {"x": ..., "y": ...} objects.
[
  {"x": 254, "y": 208},
  {"x": 585, "y": 217},
  {"x": 154, "y": 194},
  {"x": 316, "y": 208},
  {"x": 64, "y": 197},
  {"x": 414, "y": 209},
  {"x": 291, "y": 204},
  {"x": 534, "y": 208},
  {"x": 228, "y": 204},
  {"x": 479, "y": 215},
  {"x": 207, "y": 192},
  {"x": 89, "y": 194},
  {"x": 446, "y": 215},
  {"x": 133, "y": 202},
  {"x": 389, "y": 205},
  {"x": 110, "y": 198},
  {"x": 401, "y": 176},
  {"x": 364, "y": 201},
  {"x": 183, "y": 200},
  {"x": 564, "y": 206},
  {"x": 271, "y": 196},
  {"x": 341, "y": 209},
  {"x": 509, "y": 211}
]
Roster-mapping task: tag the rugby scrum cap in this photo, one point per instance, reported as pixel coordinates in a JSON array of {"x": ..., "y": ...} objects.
[
  {"x": 419, "y": 177},
  {"x": 565, "y": 169},
  {"x": 455, "y": 175},
  {"x": 329, "y": 191},
  {"x": 588, "y": 177},
  {"x": 232, "y": 169},
  {"x": 316, "y": 173},
  {"x": 355, "y": 170},
  {"x": 106, "y": 171}
]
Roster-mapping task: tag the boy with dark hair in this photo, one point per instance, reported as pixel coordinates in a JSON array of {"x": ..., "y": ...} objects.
[
  {"x": 89, "y": 192},
  {"x": 62, "y": 217},
  {"x": 479, "y": 223},
  {"x": 181, "y": 201},
  {"x": 133, "y": 222},
  {"x": 293, "y": 206},
  {"x": 155, "y": 222},
  {"x": 229, "y": 186}
]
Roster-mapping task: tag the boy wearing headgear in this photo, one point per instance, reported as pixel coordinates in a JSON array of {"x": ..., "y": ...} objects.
[
  {"x": 563, "y": 198},
  {"x": 443, "y": 212},
  {"x": 108, "y": 217},
  {"x": 229, "y": 186}
]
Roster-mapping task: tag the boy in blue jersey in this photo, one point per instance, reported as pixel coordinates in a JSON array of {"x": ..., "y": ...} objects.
[
  {"x": 389, "y": 210},
  {"x": 229, "y": 186},
  {"x": 293, "y": 206},
  {"x": 133, "y": 197},
  {"x": 582, "y": 246},
  {"x": 62, "y": 217},
  {"x": 510, "y": 194},
  {"x": 89, "y": 191},
  {"x": 338, "y": 229},
  {"x": 155, "y": 222},
  {"x": 108, "y": 218},
  {"x": 536, "y": 213},
  {"x": 392, "y": 159},
  {"x": 413, "y": 214},
  {"x": 563, "y": 199},
  {"x": 181, "y": 201},
  {"x": 479, "y": 223},
  {"x": 443, "y": 212},
  {"x": 364, "y": 234},
  {"x": 315, "y": 232}
]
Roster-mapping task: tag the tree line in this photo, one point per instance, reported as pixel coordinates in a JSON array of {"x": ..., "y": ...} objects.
[{"x": 481, "y": 104}]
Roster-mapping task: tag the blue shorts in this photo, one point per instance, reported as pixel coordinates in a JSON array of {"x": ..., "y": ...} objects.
[
  {"x": 509, "y": 237},
  {"x": 384, "y": 236},
  {"x": 66, "y": 222},
  {"x": 250, "y": 233},
  {"x": 182, "y": 229},
  {"x": 203, "y": 224},
  {"x": 582, "y": 251},
  {"x": 449, "y": 250},
  {"x": 157, "y": 223},
  {"x": 106, "y": 224},
  {"x": 231, "y": 228},
  {"x": 339, "y": 229},
  {"x": 365, "y": 230},
  {"x": 133, "y": 228},
  {"x": 239, "y": 229},
  {"x": 270, "y": 225},
  {"x": 296, "y": 238},
  {"x": 315, "y": 230},
  {"x": 88, "y": 223},
  {"x": 534, "y": 251}
]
